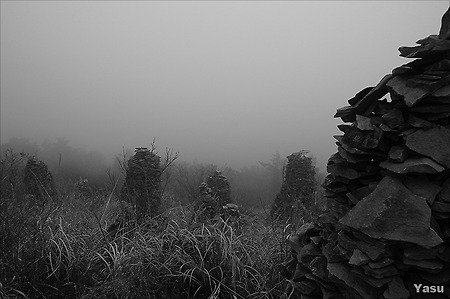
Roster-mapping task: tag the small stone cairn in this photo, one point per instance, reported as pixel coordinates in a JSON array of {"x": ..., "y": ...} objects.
[
  {"x": 386, "y": 233},
  {"x": 142, "y": 183},
  {"x": 83, "y": 188},
  {"x": 215, "y": 197},
  {"x": 297, "y": 188},
  {"x": 38, "y": 181}
]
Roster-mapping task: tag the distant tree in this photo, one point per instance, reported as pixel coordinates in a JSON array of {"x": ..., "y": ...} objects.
[
  {"x": 20, "y": 145},
  {"x": 298, "y": 187}
]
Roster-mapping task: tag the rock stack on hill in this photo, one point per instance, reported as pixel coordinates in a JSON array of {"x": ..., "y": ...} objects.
[
  {"x": 220, "y": 187},
  {"x": 386, "y": 233},
  {"x": 215, "y": 194},
  {"x": 83, "y": 189},
  {"x": 142, "y": 183},
  {"x": 297, "y": 188},
  {"x": 38, "y": 180}
]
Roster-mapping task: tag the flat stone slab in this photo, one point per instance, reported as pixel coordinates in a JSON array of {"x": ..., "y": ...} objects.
[
  {"x": 363, "y": 123},
  {"x": 412, "y": 95},
  {"x": 393, "y": 213},
  {"x": 396, "y": 289},
  {"x": 398, "y": 153},
  {"x": 413, "y": 165},
  {"x": 362, "y": 139},
  {"x": 342, "y": 271},
  {"x": 421, "y": 186},
  {"x": 433, "y": 143}
]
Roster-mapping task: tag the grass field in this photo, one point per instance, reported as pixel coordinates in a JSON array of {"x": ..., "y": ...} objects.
[{"x": 63, "y": 250}]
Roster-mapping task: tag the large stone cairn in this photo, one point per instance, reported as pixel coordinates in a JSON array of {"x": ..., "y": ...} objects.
[
  {"x": 142, "y": 183},
  {"x": 387, "y": 228},
  {"x": 215, "y": 196},
  {"x": 297, "y": 189},
  {"x": 38, "y": 181}
]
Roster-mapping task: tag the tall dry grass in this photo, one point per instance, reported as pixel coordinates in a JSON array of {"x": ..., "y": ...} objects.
[{"x": 63, "y": 250}]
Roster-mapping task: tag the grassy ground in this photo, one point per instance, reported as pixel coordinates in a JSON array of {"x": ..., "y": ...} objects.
[{"x": 62, "y": 250}]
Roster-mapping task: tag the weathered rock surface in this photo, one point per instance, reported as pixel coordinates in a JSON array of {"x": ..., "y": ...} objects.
[
  {"x": 433, "y": 143},
  {"x": 393, "y": 213},
  {"x": 413, "y": 165}
]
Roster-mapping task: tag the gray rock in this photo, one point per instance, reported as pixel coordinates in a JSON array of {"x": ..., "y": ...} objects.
[
  {"x": 444, "y": 195},
  {"x": 413, "y": 165},
  {"x": 381, "y": 263},
  {"x": 352, "y": 158},
  {"x": 432, "y": 109},
  {"x": 398, "y": 153},
  {"x": 359, "y": 95},
  {"x": 419, "y": 253},
  {"x": 308, "y": 253},
  {"x": 396, "y": 289},
  {"x": 347, "y": 113},
  {"x": 393, "y": 119},
  {"x": 441, "y": 278},
  {"x": 444, "y": 32},
  {"x": 371, "y": 251},
  {"x": 393, "y": 213},
  {"x": 444, "y": 91},
  {"x": 421, "y": 186},
  {"x": 441, "y": 207},
  {"x": 342, "y": 171},
  {"x": 363, "y": 123},
  {"x": 412, "y": 95},
  {"x": 418, "y": 122},
  {"x": 430, "y": 45},
  {"x": 424, "y": 264},
  {"x": 380, "y": 272},
  {"x": 358, "y": 258},
  {"x": 433, "y": 143},
  {"x": 375, "y": 282},
  {"x": 362, "y": 139},
  {"x": 367, "y": 104},
  {"x": 343, "y": 272}
]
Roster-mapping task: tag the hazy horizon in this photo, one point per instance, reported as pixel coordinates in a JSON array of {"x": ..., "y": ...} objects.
[{"x": 229, "y": 83}]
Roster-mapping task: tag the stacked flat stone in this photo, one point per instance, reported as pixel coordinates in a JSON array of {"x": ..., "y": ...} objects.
[
  {"x": 83, "y": 189},
  {"x": 386, "y": 233},
  {"x": 215, "y": 195},
  {"x": 219, "y": 188},
  {"x": 142, "y": 183},
  {"x": 297, "y": 188},
  {"x": 38, "y": 180}
]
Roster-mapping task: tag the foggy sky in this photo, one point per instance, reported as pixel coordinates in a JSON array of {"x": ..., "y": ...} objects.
[{"x": 223, "y": 82}]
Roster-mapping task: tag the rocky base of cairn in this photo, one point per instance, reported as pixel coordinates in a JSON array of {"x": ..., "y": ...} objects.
[
  {"x": 38, "y": 180},
  {"x": 142, "y": 183},
  {"x": 386, "y": 233},
  {"x": 297, "y": 188}
]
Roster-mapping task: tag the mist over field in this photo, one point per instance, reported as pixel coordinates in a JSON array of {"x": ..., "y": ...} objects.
[
  {"x": 178, "y": 149},
  {"x": 229, "y": 83}
]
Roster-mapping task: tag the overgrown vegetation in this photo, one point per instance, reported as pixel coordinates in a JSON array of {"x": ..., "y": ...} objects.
[{"x": 67, "y": 249}]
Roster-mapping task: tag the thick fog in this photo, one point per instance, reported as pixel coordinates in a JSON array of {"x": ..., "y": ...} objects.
[{"x": 224, "y": 82}]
